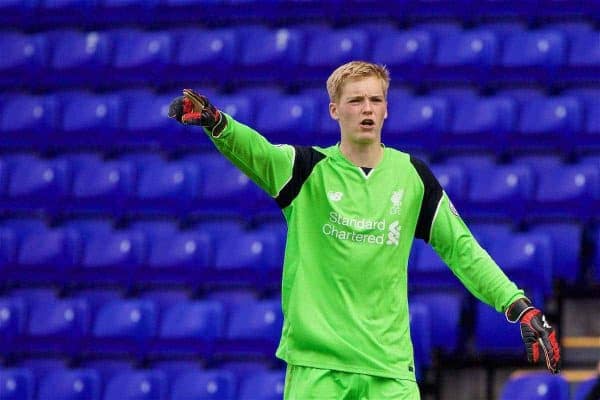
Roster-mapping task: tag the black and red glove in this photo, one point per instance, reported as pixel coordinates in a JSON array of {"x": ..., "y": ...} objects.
[
  {"x": 194, "y": 109},
  {"x": 539, "y": 337}
]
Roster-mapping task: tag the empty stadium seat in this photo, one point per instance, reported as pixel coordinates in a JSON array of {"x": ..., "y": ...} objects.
[
  {"x": 237, "y": 105},
  {"x": 23, "y": 56},
  {"x": 66, "y": 319},
  {"x": 254, "y": 250},
  {"x": 536, "y": 385},
  {"x": 453, "y": 179},
  {"x": 494, "y": 334},
  {"x": 56, "y": 249},
  {"x": 133, "y": 319},
  {"x": 541, "y": 48},
  {"x": 198, "y": 319},
  {"x": 445, "y": 310},
  {"x": 204, "y": 385},
  {"x": 585, "y": 50},
  {"x": 584, "y": 388},
  {"x": 73, "y": 384},
  {"x": 137, "y": 385},
  {"x": 12, "y": 317},
  {"x": 270, "y": 48},
  {"x": 288, "y": 119},
  {"x": 90, "y": 118},
  {"x": 174, "y": 367},
  {"x": 8, "y": 248},
  {"x": 16, "y": 384},
  {"x": 335, "y": 47},
  {"x": 256, "y": 320},
  {"x": 263, "y": 385},
  {"x": 117, "y": 249},
  {"x": 473, "y": 47},
  {"x": 407, "y": 48},
  {"x": 220, "y": 48},
  {"x": 107, "y": 367},
  {"x": 566, "y": 239},
  {"x": 182, "y": 250},
  {"x": 28, "y": 118}
]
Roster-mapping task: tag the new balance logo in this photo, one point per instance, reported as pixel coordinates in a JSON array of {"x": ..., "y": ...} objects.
[
  {"x": 393, "y": 234},
  {"x": 545, "y": 323},
  {"x": 335, "y": 196}
]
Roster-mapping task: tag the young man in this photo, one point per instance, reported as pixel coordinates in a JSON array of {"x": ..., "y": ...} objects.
[{"x": 353, "y": 210}]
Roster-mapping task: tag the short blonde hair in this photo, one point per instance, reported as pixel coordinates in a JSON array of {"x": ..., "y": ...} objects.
[{"x": 355, "y": 70}]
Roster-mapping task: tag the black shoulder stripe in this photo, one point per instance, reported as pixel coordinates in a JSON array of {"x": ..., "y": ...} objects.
[
  {"x": 431, "y": 199},
  {"x": 304, "y": 162}
]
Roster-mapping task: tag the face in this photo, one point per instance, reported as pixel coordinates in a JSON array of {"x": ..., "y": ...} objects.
[{"x": 361, "y": 110}]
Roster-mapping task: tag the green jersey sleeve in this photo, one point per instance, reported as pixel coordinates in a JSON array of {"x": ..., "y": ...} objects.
[
  {"x": 269, "y": 166},
  {"x": 455, "y": 244},
  {"x": 440, "y": 225}
]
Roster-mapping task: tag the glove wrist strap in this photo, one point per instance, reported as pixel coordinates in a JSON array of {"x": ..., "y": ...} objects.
[
  {"x": 221, "y": 124},
  {"x": 516, "y": 310}
]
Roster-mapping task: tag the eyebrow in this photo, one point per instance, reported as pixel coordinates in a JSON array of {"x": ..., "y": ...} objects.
[{"x": 376, "y": 96}]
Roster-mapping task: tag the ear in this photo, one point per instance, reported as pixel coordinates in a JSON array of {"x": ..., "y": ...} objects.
[
  {"x": 333, "y": 112},
  {"x": 386, "y": 113}
]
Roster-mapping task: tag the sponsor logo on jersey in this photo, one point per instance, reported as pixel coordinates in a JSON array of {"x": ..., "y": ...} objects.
[
  {"x": 393, "y": 234},
  {"x": 335, "y": 196}
]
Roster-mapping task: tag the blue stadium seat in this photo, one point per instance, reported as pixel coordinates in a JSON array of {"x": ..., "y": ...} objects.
[
  {"x": 204, "y": 385},
  {"x": 502, "y": 190},
  {"x": 32, "y": 296},
  {"x": 8, "y": 248},
  {"x": 133, "y": 319},
  {"x": 219, "y": 49},
  {"x": 473, "y": 47},
  {"x": 102, "y": 186},
  {"x": 569, "y": 190},
  {"x": 271, "y": 49},
  {"x": 89, "y": 118},
  {"x": 488, "y": 232},
  {"x": 73, "y": 384},
  {"x": 439, "y": 29},
  {"x": 471, "y": 161},
  {"x": 550, "y": 122},
  {"x": 494, "y": 334},
  {"x": 254, "y": 250},
  {"x": 64, "y": 318},
  {"x": 30, "y": 117},
  {"x": 567, "y": 239},
  {"x": 137, "y": 385},
  {"x": 77, "y": 57},
  {"x": 539, "y": 163},
  {"x": 406, "y": 48},
  {"x": 117, "y": 249},
  {"x": 444, "y": 310},
  {"x": 256, "y": 320},
  {"x": 527, "y": 259},
  {"x": 107, "y": 367},
  {"x": 538, "y": 48},
  {"x": 453, "y": 179},
  {"x": 55, "y": 249},
  {"x": 23, "y": 57},
  {"x": 139, "y": 55},
  {"x": 417, "y": 121},
  {"x": 88, "y": 226},
  {"x": 596, "y": 262},
  {"x": 166, "y": 187},
  {"x": 482, "y": 122},
  {"x": 35, "y": 182},
  {"x": 40, "y": 367},
  {"x": 584, "y": 388},
  {"x": 237, "y": 105},
  {"x": 335, "y": 47},
  {"x": 165, "y": 298},
  {"x": 12, "y": 317},
  {"x": 287, "y": 119},
  {"x": 195, "y": 319},
  {"x": 585, "y": 49},
  {"x": 97, "y": 297},
  {"x": 147, "y": 117},
  {"x": 174, "y": 367},
  {"x": 16, "y": 384},
  {"x": 224, "y": 187},
  {"x": 182, "y": 250},
  {"x": 503, "y": 27},
  {"x": 420, "y": 333},
  {"x": 232, "y": 298},
  {"x": 538, "y": 385},
  {"x": 263, "y": 385}
]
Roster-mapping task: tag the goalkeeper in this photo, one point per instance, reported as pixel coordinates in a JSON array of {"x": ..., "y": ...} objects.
[{"x": 353, "y": 210}]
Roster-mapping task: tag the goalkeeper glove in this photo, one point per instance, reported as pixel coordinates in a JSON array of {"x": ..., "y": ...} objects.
[
  {"x": 195, "y": 109},
  {"x": 539, "y": 337}
]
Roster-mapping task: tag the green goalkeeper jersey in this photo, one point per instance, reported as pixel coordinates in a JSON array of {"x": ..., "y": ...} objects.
[{"x": 344, "y": 286}]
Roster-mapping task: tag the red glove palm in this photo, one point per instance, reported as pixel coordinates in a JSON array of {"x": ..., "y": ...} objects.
[
  {"x": 195, "y": 109},
  {"x": 539, "y": 337}
]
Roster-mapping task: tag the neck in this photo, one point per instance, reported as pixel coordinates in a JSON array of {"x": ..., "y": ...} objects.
[{"x": 362, "y": 155}]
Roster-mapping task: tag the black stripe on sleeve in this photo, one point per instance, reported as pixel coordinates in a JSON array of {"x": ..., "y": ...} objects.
[
  {"x": 305, "y": 160},
  {"x": 431, "y": 198}
]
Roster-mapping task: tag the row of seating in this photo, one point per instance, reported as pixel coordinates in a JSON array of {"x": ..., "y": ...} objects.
[
  {"x": 148, "y": 183},
  {"x": 87, "y": 383},
  {"x": 110, "y": 58},
  {"x": 543, "y": 386},
  {"x": 511, "y": 120},
  {"x": 146, "y": 250}
]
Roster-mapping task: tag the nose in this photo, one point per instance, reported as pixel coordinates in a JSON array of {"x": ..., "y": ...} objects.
[{"x": 368, "y": 107}]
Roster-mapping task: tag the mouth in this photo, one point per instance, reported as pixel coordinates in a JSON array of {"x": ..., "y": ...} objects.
[{"x": 367, "y": 123}]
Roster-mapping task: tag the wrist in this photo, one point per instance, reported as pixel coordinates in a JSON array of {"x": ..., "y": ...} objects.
[{"x": 517, "y": 309}]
